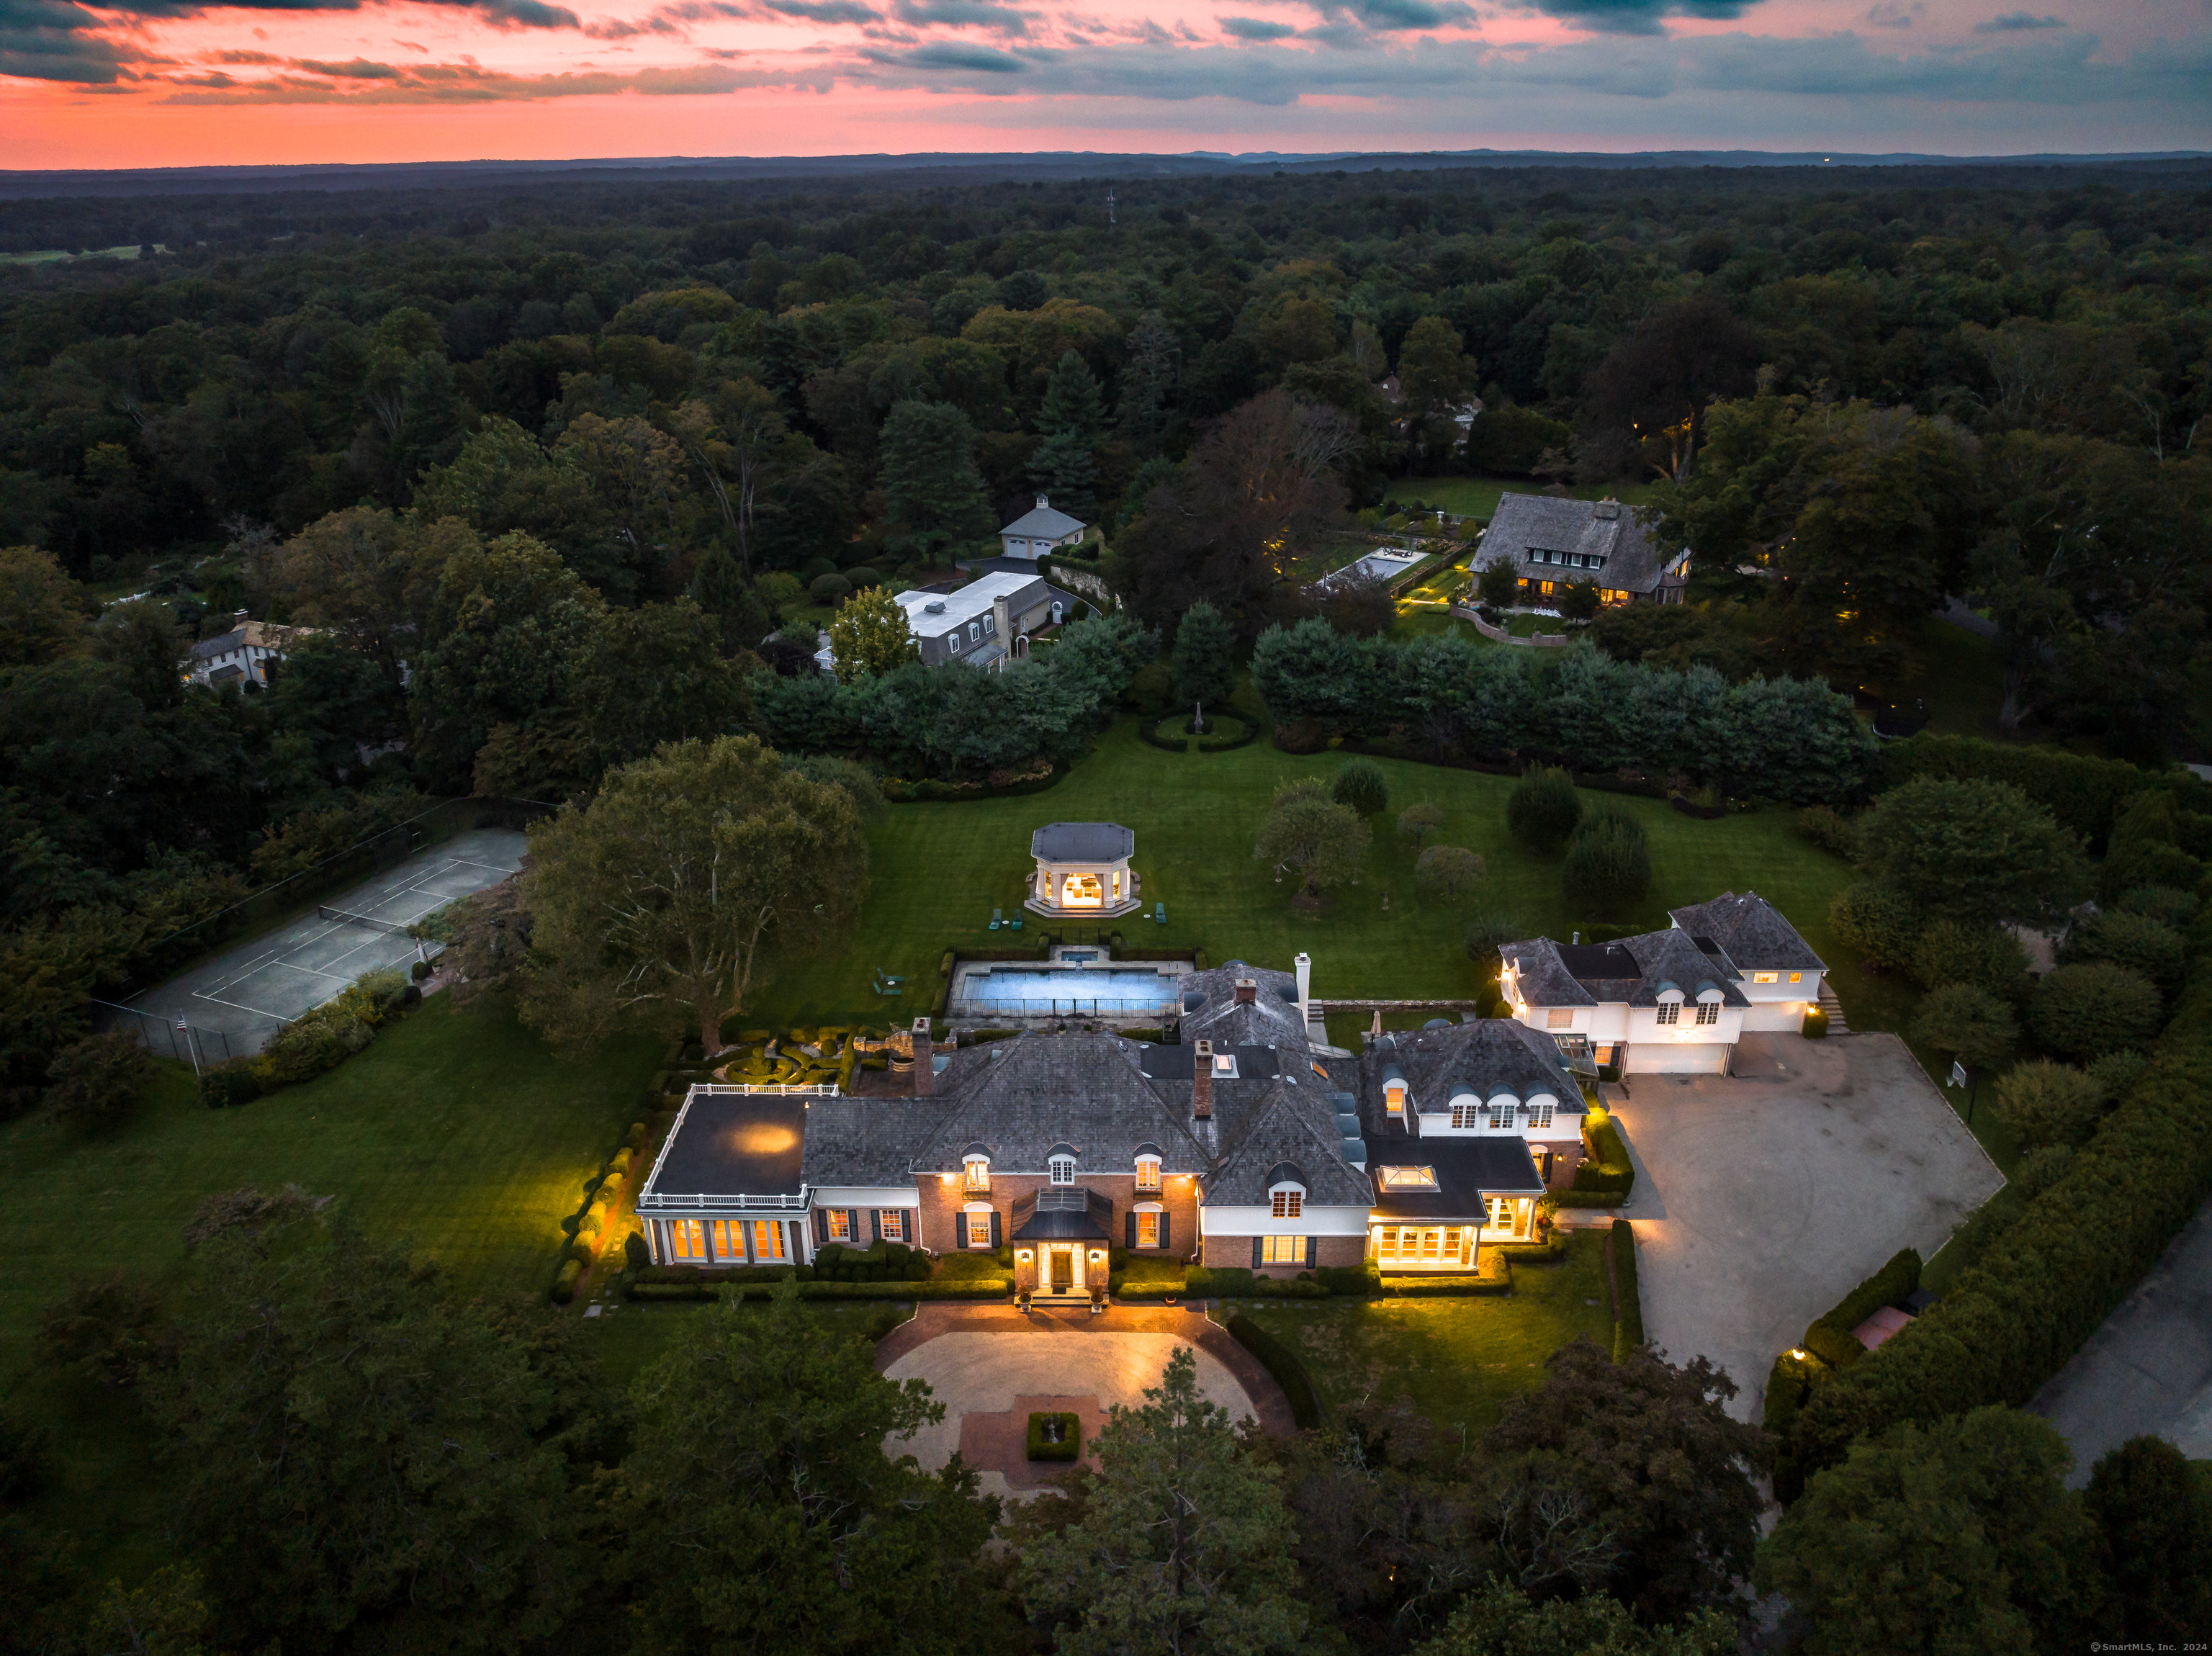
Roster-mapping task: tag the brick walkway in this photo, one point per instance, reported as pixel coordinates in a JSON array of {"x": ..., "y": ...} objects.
[{"x": 934, "y": 1317}]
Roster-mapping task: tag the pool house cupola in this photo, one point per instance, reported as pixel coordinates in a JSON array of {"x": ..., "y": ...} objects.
[{"x": 1083, "y": 871}]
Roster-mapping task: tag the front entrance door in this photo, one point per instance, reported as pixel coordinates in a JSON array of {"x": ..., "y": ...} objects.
[{"x": 1063, "y": 1270}]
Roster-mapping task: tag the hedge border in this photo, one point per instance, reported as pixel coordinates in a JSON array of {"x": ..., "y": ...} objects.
[
  {"x": 1038, "y": 1449},
  {"x": 1627, "y": 1295},
  {"x": 1285, "y": 1365}
]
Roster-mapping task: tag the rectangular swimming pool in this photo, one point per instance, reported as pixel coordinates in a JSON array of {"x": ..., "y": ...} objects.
[{"x": 1035, "y": 990}]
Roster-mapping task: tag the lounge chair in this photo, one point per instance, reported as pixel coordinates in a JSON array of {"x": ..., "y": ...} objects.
[
  {"x": 1160, "y": 912},
  {"x": 1016, "y": 922},
  {"x": 994, "y": 919},
  {"x": 886, "y": 983}
]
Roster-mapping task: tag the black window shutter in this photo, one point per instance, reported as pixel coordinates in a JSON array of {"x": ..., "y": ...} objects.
[
  {"x": 1131, "y": 1228},
  {"x": 1257, "y": 1245},
  {"x": 821, "y": 1228},
  {"x": 875, "y": 1218},
  {"x": 1313, "y": 1247},
  {"x": 994, "y": 1228},
  {"x": 1164, "y": 1227}
]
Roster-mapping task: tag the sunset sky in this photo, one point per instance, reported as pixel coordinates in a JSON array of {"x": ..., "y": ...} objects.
[{"x": 172, "y": 82}]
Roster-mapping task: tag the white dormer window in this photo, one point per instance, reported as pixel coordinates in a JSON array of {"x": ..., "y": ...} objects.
[
  {"x": 975, "y": 632},
  {"x": 952, "y": 642},
  {"x": 1063, "y": 1169},
  {"x": 1148, "y": 1173},
  {"x": 1499, "y": 1114},
  {"x": 1465, "y": 1116},
  {"x": 990, "y": 624},
  {"x": 978, "y": 1174},
  {"x": 1709, "y": 1012},
  {"x": 1286, "y": 1204},
  {"x": 1670, "y": 1012}
]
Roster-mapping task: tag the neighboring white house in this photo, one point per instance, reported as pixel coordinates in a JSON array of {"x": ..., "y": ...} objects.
[
  {"x": 1776, "y": 969},
  {"x": 1038, "y": 531},
  {"x": 1672, "y": 1001},
  {"x": 980, "y": 623},
  {"x": 240, "y": 654}
]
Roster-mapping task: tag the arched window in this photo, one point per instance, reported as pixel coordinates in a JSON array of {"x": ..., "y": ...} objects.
[
  {"x": 1148, "y": 1172},
  {"x": 976, "y": 1171}
]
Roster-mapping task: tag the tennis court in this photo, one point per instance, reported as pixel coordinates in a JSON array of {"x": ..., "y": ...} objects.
[{"x": 236, "y": 1000}]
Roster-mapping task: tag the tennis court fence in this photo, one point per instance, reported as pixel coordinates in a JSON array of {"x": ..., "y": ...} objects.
[{"x": 185, "y": 1041}]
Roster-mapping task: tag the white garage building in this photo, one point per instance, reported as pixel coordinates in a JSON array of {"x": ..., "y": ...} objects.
[{"x": 1675, "y": 1000}]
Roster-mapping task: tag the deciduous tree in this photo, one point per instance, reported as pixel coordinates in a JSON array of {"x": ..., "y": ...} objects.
[
  {"x": 1970, "y": 849},
  {"x": 1312, "y": 836},
  {"x": 870, "y": 636},
  {"x": 1970, "y": 1024},
  {"x": 1447, "y": 873}
]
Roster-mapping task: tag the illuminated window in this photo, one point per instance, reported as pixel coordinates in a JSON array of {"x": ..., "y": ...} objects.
[
  {"x": 1393, "y": 1096},
  {"x": 1063, "y": 1169},
  {"x": 1558, "y": 1020},
  {"x": 1148, "y": 1230},
  {"x": 1282, "y": 1250},
  {"x": 979, "y": 1229},
  {"x": 1796, "y": 977},
  {"x": 893, "y": 1223},
  {"x": 768, "y": 1240},
  {"x": 1148, "y": 1173},
  {"x": 1769, "y": 977},
  {"x": 1500, "y": 1115},
  {"x": 1709, "y": 1012},
  {"x": 1540, "y": 1115},
  {"x": 841, "y": 1225},
  {"x": 729, "y": 1242},
  {"x": 1465, "y": 1118},
  {"x": 1409, "y": 1178},
  {"x": 1288, "y": 1203},
  {"x": 687, "y": 1239},
  {"x": 979, "y": 1175},
  {"x": 1670, "y": 1012}
]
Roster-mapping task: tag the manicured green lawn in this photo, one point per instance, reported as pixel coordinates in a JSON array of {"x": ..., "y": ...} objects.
[
  {"x": 939, "y": 870},
  {"x": 1477, "y": 497},
  {"x": 1459, "y": 1360},
  {"x": 630, "y": 1337}
]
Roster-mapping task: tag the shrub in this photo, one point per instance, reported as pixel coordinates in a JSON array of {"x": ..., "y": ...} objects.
[
  {"x": 1446, "y": 874},
  {"x": 236, "y": 1081},
  {"x": 1356, "y": 1282},
  {"x": 1815, "y": 1026},
  {"x": 1837, "y": 1346},
  {"x": 1879, "y": 924},
  {"x": 1070, "y": 1447},
  {"x": 1992, "y": 959},
  {"x": 1891, "y": 1285},
  {"x": 98, "y": 1080},
  {"x": 1283, "y": 1364},
  {"x": 113, "y": 1329},
  {"x": 1543, "y": 809},
  {"x": 1417, "y": 822},
  {"x": 564, "y": 1285},
  {"x": 1628, "y": 1315},
  {"x": 861, "y": 577},
  {"x": 1972, "y": 1026},
  {"x": 1822, "y": 825},
  {"x": 1609, "y": 866},
  {"x": 2086, "y": 1011},
  {"x": 1221, "y": 1282},
  {"x": 2045, "y": 1103},
  {"x": 1362, "y": 786},
  {"x": 2135, "y": 941},
  {"x": 2162, "y": 903}
]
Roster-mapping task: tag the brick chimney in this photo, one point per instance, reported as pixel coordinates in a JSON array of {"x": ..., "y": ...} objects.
[
  {"x": 925, "y": 1059},
  {"x": 1201, "y": 1082},
  {"x": 1248, "y": 990}
]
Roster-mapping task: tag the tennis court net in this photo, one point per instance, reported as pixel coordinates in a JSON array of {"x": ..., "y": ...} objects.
[{"x": 347, "y": 917}]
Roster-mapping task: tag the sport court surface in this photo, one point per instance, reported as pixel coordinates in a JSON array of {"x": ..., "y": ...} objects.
[{"x": 246, "y": 994}]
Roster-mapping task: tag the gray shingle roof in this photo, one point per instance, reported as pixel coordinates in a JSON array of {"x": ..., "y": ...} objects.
[
  {"x": 1752, "y": 931},
  {"x": 1082, "y": 842},
  {"x": 1294, "y": 1123},
  {"x": 1527, "y": 522},
  {"x": 1485, "y": 1058},
  {"x": 1631, "y": 970},
  {"x": 1025, "y": 1095},
  {"x": 866, "y": 1141},
  {"x": 1045, "y": 521},
  {"x": 208, "y": 648}
]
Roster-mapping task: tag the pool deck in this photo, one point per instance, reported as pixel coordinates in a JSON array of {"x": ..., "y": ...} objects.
[{"x": 1080, "y": 981}]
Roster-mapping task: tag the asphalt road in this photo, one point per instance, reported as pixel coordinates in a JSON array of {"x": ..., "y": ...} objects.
[{"x": 2148, "y": 1371}]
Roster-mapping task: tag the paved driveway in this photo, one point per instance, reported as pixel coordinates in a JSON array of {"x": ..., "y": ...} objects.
[
  {"x": 2149, "y": 1370},
  {"x": 1762, "y": 1198}
]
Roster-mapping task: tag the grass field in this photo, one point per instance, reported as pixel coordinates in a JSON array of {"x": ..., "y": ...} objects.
[
  {"x": 1477, "y": 497},
  {"x": 939, "y": 870},
  {"x": 457, "y": 1130},
  {"x": 1459, "y": 1360}
]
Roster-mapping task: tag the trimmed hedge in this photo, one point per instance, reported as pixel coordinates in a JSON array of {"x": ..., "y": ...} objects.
[
  {"x": 1607, "y": 1172},
  {"x": 1815, "y": 1026},
  {"x": 2014, "y": 1319},
  {"x": 1356, "y": 1282},
  {"x": 1069, "y": 1448},
  {"x": 721, "y": 1286},
  {"x": 2086, "y": 795},
  {"x": 1890, "y": 1285},
  {"x": 1628, "y": 1308},
  {"x": 564, "y": 1285},
  {"x": 1285, "y": 1365},
  {"x": 1495, "y": 1276}
]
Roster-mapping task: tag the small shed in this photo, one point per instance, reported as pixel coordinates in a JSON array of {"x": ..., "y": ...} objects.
[
  {"x": 1038, "y": 531},
  {"x": 1083, "y": 870}
]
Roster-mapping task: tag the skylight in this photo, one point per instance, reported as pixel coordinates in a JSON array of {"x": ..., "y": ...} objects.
[{"x": 1409, "y": 1178}]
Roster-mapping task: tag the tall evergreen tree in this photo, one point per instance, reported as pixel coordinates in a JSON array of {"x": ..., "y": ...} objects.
[
  {"x": 1073, "y": 422},
  {"x": 931, "y": 484},
  {"x": 723, "y": 592},
  {"x": 1203, "y": 670}
]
